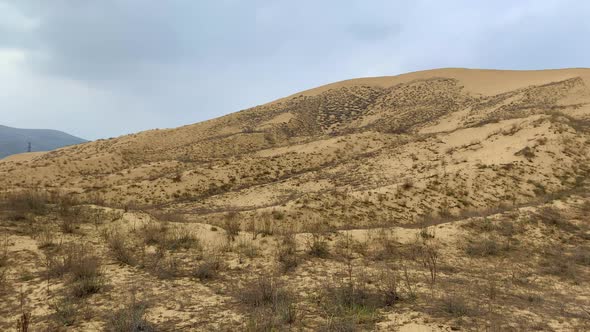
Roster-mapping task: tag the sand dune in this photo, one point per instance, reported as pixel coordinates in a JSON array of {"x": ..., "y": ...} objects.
[{"x": 354, "y": 183}]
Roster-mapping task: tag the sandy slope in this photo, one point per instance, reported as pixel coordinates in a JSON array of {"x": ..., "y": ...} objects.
[{"x": 364, "y": 163}]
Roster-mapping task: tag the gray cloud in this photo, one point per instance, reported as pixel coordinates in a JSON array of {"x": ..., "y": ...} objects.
[{"x": 109, "y": 67}]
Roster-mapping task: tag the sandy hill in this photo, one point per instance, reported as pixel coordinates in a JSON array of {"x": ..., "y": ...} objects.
[
  {"x": 440, "y": 200},
  {"x": 429, "y": 142},
  {"x": 14, "y": 140}
]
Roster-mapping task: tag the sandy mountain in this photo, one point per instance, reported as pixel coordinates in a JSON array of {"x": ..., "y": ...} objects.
[
  {"x": 14, "y": 140},
  {"x": 441, "y": 200},
  {"x": 431, "y": 142}
]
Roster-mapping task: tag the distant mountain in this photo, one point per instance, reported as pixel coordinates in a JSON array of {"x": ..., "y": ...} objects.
[{"x": 15, "y": 140}]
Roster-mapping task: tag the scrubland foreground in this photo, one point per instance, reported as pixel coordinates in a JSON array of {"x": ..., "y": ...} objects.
[{"x": 433, "y": 201}]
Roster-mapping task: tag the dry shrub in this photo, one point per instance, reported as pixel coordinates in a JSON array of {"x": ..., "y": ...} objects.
[
  {"x": 4, "y": 261},
  {"x": 132, "y": 317},
  {"x": 557, "y": 262},
  {"x": 208, "y": 269},
  {"x": 163, "y": 236},
  {"x": 455, "y": 305},
  {"x": 119, "y": 247},
  {"x": 317, "y": 241},
  {"x": 70, "y": 218},
  {"x": 154, "y": 232},
  {"x": 265, "y": 319},
  {"x": 162, "y": 265},
  {"x": 45, "y": 239},
  {"x": 552, "y": 217},
  {"x": 486, "y": 246},
  {"x": 581, "y": 255},
  {"x": 179, "y": 239},
  {"x": 350, "y": 302},
  {"x": 271, "y": 304},
  {"x": 317, "y": 245},
  {"x": 264, "y": 291},
  {"x": 385, "y": 246},
  {"x": 168, "y": 216},
  {"x": 231, "y": 225},
  {"x": 20, "y": 204},
  {"x": 3, "y": 278},
  {"x": 287, "y": 252},
  {"x": 65, "y": 311},
  {"x": 263, "y": 226},
  {"x": 407, "y": 184},
  {"x": 4, "y": 255},
  {"x": 246, "y": 248},
  {"x": 82, "y": 265}
]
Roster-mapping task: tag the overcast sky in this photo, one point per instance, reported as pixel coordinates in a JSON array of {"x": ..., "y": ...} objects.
[{"x": 104, "y": 68}]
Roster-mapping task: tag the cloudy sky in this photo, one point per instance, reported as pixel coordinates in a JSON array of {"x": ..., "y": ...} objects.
[{"x": 104, "y": 68}]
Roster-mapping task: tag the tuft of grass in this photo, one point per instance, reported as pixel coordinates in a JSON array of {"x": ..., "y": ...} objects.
[
  {"x": 552, "y": 217},
  {"x": 287, "y": 252},
  {"x": 557, "y": 263},
  {"x": 119, "y": 248},
  {"x": 231, "y": 225},
  {"x": 45, "y": 239},
  {"x": 264, "y": 291},
  {"x": 25, "y": 202},
  {"x": 350, "y": 303},
  {"x": 317, "y": 245},
  {"x": 454, "y": 305},
  {"x": 581, "y": 255},
  {"x": 131, "y": 318},
  {"x": 271, "y": 303},
  {"x": 4, "y": 255},
  {"x": 484, "y": 247},
  {"x": 82, "y": 265},
  {"x": 208, "y": 269},
  {"x": 179, "y": 239},
  {"x": 65, "y": 311},
  {"x": 154, "y": 232},
  {"x": 70, "y": 218}
]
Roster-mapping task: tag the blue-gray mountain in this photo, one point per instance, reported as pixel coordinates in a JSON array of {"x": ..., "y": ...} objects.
[{"x": 15, "y": 140}]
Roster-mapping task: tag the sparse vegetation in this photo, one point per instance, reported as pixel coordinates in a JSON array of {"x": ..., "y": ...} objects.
[
  {"x": 120, "y": 247},
  {"x": 208, "y": 269},
  {"x": 232, "y": 226},
  {"x": 82, "y": 265},
  {"x": 132, "y": 317},
  {"x": 485, "y": 246}
]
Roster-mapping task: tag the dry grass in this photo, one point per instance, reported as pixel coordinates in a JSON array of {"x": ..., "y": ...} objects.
[
  {"x": 272, "y": 305},
  {"x": 120, "y": 247},
  {"x": 552, "y": 217},
  {"x": 455, "y": 305},
  {"x": 4, "y": 263},
  {"x": 23, "y": 203},
  {"x": 231, "y": 224},
  {"x": 130, "y": 318},
  {"x": 264, "y": 291},
  {"x": 208, "y": 269},
  {"x": 65, "y": 311},
  {"x": 83, "y": 267},
  {"x": 287, "y": 252},
  {"x": 485, "y": 246},
  {"x": 179, "y": 239}
]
